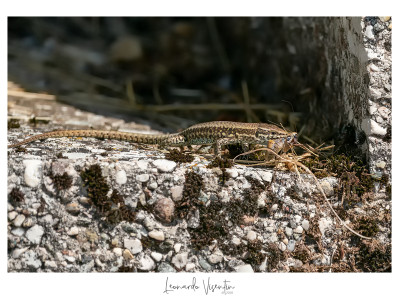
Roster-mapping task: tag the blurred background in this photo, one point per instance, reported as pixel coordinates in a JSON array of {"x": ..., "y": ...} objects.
[{"x": 174, "y": 72}]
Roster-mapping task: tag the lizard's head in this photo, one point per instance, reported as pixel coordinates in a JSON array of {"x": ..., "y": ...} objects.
[{"x": 275, "y": 138}]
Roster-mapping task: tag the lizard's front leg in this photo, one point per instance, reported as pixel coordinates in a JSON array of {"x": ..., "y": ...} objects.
[{"x": 221, "y": 142}]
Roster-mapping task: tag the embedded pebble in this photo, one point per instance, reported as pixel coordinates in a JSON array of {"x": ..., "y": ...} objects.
[
  {"x": 251, "y": 235},
  {"x": 204, "y": 264},
  {"x": 19, "y": 231},
  {"x": 236, "y": 241},
  {"x": 377, "y": 129},
  {"x": 281, "y": 246},
  {"x": 180, "y": 260},
  {"x": 176, "y": 192},
  {"x": 34, "y": 234},
  {"x": 177, "y": 247},
  {"x": 327, "y": 188},
  {"x": 323, "y": 224},
  {"x": 165, "y": 268},
  {"x": 120, "y": 177},
  {"x": 215, "y": 258},
  {"x": 73, "y": 231},
  {"x": 164, "y": 210},
  {"x": 164, "y": 165},
  {"x": 117, "y": 251},
  {"x": 28, "y": 222},
  {"x": 157, "y": 235},
  {"x": 133, "y": 245},
  {"x": 18, "y": 252},
  {"x": 156, "y": 256},
  {"x": 12, "y": 215},
  {"x": 143, "y": 177},
  {"x": 291, "y": 245},
  {"x": 19, "y": 220},
  {"x": 288, "y": 231},
  {"x": 380, "y": 164},
  {"x": 127, "y": 254},
  {"x": 143, "y": 165},
  {"x": 298, "y": 229},
  {"x": 50, "y": 264},
  {"x": 31, "y": 260},
  {"x": 146, "y": 263},
  {"x": 190, "y": 267},
  {"x": 32, "y": 174},
  {"x": 73, "y": 208},
  {"x": 305, "y": 224},
  {"x": 369, "y": 32}
]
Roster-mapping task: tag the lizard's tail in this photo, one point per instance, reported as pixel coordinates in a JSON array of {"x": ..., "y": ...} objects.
[{"x": 102, "y": 134}]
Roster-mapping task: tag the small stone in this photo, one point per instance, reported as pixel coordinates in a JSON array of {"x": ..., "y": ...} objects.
[
  {"x": 120, "y": 177},
  {"x": 298, "y": 229},
  {"x": 34, "y": 234},
  {"x": 146, "y": 263},
  {"x": 157, "y": 235},
  {"x": 374, "y": 68},
  {"x": 180, "y": 260},
  {"x": 323, "y": 224},
  {"x": 377, "y": 129},
  {"x": 305, "y": 224},
  {"x": 50, "y": 264},
  {"x": 291, "y": 245},
  {"x": 384, "y": 19},
  {"x": 149, "y": 223},
  {"x": 133, "y": 245},
  {"x": 164, "y": 210},
  {"x": 215, "y": 258},
  {"x": 69, "y": 258},
  {"x": 143, "y": 164},
  {"x": 31, "y": 260},
  {"x": 73, "y": 231},
  {"x": 288, "y": 231},
  {"x": 91, "y": 235},
  {"x": 32, "y": 173},
  {"x": 176, "y": 193},
  {"x": 164, "y": 165},
  {"x": 18, "y": 252},
  {"x": 381, "y": 164},
  {"x": 190, "y": 267},
  {"x": 244, "y": 269},
  {"x": 232, "y": 173},
  {"x": 166, "y": 268},
  {"x": 12, "y": 215},
  {"x": 274, "y": 207},
  {"x": 251, "y": 235},
  {"x": 18, "y": 231},
  {"x": 281, "y": 246},
  {"x": 156, "y": 256},
  {"x": 236, "y": 241},
  {"x": 152, "y": 186},
  {"x": 177, "y": 247},
  {"x": 118, "y": 251},
  {"x": 143, "y": 177},
  {"x": 73, "y": 208},
  {"x": 28, "y": 223},
  {"x": 19, "y": 220},
  {"x": 327, "y": 188},
  {"x": 127, "y": 254},
  {"x": 204, "y": 264},
  {"x": 369, "y": 32}
]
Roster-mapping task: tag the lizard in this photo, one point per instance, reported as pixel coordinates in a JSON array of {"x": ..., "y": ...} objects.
[{"x": 216, "y": 133}]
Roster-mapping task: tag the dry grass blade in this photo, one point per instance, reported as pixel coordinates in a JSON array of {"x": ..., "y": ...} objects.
[{"x": 296, "y": 163}]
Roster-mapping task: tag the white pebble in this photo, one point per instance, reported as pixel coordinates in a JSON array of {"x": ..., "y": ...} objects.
[
  {"x": 34, "y": 234},
  {"x": 19, "y": 220},
  {"x": 143, "y": 164},
  {"x": 133, "y": 245},
  {"x": 189, "y": 267},
  {"x": 244, "y": 269},
  {"x": 177, "y": 247},
  {"x": 120, "y": 177},
  {"x": 251, "y": 235},
  {"x": 180, "y": 260},
  {"x": 305, "y": 224},
  {"x": 369, "y": 32},
  {"x": 157, "y": 235},
  {"x": 12, "y": 215},
  {"x": 73, "y": 231},
  {"x": 215, "y": 258},
  {"x": 164, "y": 165},
  {"x": 143, "y": 177},
  {"x": 298, "y": 229},
  {"x": 17, "y": 252},
  {"x": 117, "y": 251},
  {"x": 176, "y": 192},
  {"x": 146, "y": 263},
  {"x": 156, "y": 256},
  {"x": 32, "y": 174},
  {"x": 323, "y": 224}
]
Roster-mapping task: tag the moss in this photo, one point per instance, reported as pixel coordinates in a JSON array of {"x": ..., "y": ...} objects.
[
  {"x": 303, "y": 254},
  {"x": 126, "y": 269},
  {"x": 16, "y": 196},
  {"x": 179, "y": 156},
  {"x": 190, "y": 195},
  {"x": 221, "y": 163},
  {"x": 374, "y": 257},
  {"x": 61, "y": 182},
  {"x": 60, "y": 155},
  {"x": 113, "y": 207},
  {"x": 274, "y": 256},
  {"x": 13, "y": 123},
  {"x": 366, "y": 226}
]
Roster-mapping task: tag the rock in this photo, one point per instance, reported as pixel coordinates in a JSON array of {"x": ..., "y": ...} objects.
[
  {"x": 204, "y": 264},
  {"x": 369, "y": 32},
  {"x": 73, "y": 208},
  {"x": 152, "y": 186},
  {"x": 143, "y": 177},
  {"x": 12, "y": 215},
  {"x": 305, "y": 224},
  {"x": 298, "y": 229},
  {"x": 327, "y": 188},
  {"x": 164, "y": 165},
  {"x": 244, "y": 269},
  {"x": 177, "y": 247},
  {"x": 50, "y": 264},
  {"x": 176, "y": 192},
  {"x": 73, "y": 231},
  {"x": 91, "y": 235},
  {"x": 19, "y": 220},
  {"x": 190, "y": 267},
  {"x": 291, "y": 245},
  {"x": 288, "y": 231},
  {"x": 34, "y": 234},
  {"x": 156, "y": 256},
  {"x": 28, "y": 223},
  {"x": 18, "y": 231},
  {"x": 18, "y": 252},
  {"x": 236, "y": 241},
  {"x": 133, "y": 245},
  {"x": 120, "y": 177},
  {"x": 164, "y": 210},
  {"x": 149, "y": 223},
  {"x": 157, "y": 235},
  {"x": 281, "y": 246},
  {"x": 127, "y": 254},
  {"x": 380, "y": 164},
  {"x": 32, "y": 173},
  {"x": 143, "y": 165},
  {"x": 251, "y": 235},
  {"x": 323, "y": 224},
  {"x": 180, "y": 260},
  {"x": 215, "y": 258},
  {"x": 118, "y": 251},
  {"x": 166, "y": 268},
  {"x": 31, "y": 260},
  {"x": 146, "y": 263}
]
